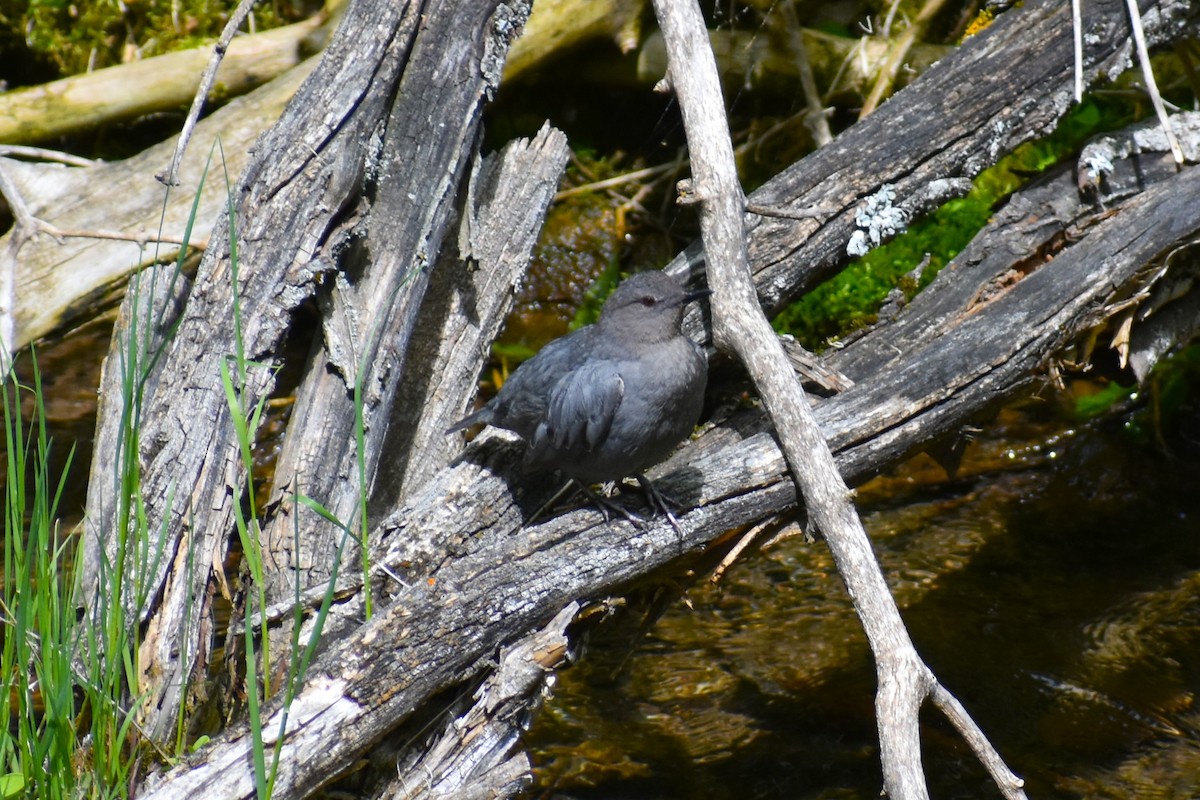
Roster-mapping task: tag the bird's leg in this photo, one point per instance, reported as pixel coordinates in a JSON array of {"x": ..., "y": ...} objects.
[
  {"x": 544, "y": 507},
  {"x": 603, "y": 504},
  {"x": 659, "y": 501},
  {"x": 607, "y": 506}
]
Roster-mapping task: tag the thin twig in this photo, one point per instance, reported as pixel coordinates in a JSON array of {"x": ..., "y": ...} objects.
[
  {"x": 171, "y": 176},
  {"x": 26, "y": 225},
  {"x": 745, "y": 541},
  {"x": 818, "y": 122},
  {"x": 45, "y": 154},
  {"x": 1139, "y": 40},
  {"x": 1077, "y": 30},
  {"x": 616, "y": 180},
  {"x": 140, "y": 239},
  {"x": 816, "y": 212},
  {"x": 896, "y": 55},
  {"x": 1010, "y": 785}
]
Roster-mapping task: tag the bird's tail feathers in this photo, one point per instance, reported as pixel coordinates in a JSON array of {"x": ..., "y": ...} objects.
[{"x": 482, "y": 415}]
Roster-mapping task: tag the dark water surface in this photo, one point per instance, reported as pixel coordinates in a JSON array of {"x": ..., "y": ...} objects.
[{"x": 1052, "y": 588}]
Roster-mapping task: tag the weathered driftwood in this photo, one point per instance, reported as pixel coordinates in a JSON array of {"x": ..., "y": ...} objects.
[
  {"x": 296, "y": 204},
  {"x": 58, "y": 284},
  {"x": 506, "y": 202},
  {"x": 460, "y": 574},
  {"x": 163, "y": 83},
  {"x": 368, "y": 320},
  {"x": 474, "y": 752},
  {"x": 739, "y": 325},
  {"x": 1114, "y": 242},
  {"x": 123, "y": 197},
  {"x": 928, "y": 140},
  {"x": 460, "y": 316},
  {"x": 470, "y": 570}
]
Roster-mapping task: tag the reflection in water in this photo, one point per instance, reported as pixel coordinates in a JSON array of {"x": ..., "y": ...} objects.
[{"x": 1054, "y": 590}]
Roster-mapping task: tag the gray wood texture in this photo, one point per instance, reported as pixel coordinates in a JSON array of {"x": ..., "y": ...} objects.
[
  {"x": 390, "y": 113},
  {"x": 460, "y": 573},
  {"x": 1009, "y": 84}
]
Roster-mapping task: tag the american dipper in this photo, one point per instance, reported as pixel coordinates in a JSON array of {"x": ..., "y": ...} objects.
[{"x": 610, "y": 399}]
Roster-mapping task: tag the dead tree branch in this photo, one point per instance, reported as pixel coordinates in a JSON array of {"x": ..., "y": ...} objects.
[{"x": 739, "y": 325}]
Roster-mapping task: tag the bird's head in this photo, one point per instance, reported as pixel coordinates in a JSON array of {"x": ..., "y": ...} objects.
[{"x": 648, "y": 306}]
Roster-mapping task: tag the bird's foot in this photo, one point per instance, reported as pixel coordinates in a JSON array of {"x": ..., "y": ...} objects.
[
  {"x": 660, "y": 502},
  {"x": 608, "y": 506}
]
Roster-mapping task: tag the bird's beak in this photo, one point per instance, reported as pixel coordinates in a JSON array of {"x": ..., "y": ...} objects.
[{"x": 696, "y": 294}]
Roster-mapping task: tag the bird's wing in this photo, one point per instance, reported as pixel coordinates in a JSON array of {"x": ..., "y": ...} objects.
[
  {"x": 581, "y": 409},
  {"x": 522, "y": 401}
]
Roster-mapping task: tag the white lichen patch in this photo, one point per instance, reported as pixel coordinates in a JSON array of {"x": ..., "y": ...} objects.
[{"x": 877, "y": 219}]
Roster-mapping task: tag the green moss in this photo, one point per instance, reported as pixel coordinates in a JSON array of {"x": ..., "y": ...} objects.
[
  {"x": 597, "y": 293},
  {"x": 1175, "y": 380},
  {"x": 1093, "y": 405},
  {"x": 1171, "y": 399},
  {"x": 851, "y": 299},
  {"x": 79, "y": 36}
]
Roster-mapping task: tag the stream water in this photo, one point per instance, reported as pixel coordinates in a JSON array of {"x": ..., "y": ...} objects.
[{"x": 1052, "y": 586}]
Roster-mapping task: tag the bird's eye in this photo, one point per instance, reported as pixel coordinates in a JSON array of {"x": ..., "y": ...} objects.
[{"x": 649, "y": 302}]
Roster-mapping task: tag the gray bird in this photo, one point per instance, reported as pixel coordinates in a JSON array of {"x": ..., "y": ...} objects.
[{"x": 611, "y": 399}]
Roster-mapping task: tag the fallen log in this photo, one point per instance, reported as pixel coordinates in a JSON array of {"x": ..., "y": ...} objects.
[
  {"x": 163, "y": 83},
  {"x": 460, "y": 573}
]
